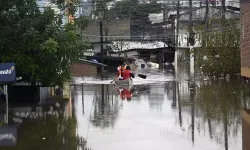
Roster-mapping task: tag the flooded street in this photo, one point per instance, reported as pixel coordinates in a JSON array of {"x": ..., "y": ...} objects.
[
  {"x": 125, "y": 75},
  {"x": 162, "y": 113}
]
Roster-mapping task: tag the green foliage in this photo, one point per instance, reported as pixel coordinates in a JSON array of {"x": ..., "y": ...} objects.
[
  {"x": 220, "y": 46},
  {"x": 37, "y": 42},
  {"x": 82, "y": 23}
]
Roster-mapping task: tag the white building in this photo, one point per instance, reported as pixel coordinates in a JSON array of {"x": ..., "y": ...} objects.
[
  {"x": 46, "y": 3},
  {"x": 85, "y": 8}
]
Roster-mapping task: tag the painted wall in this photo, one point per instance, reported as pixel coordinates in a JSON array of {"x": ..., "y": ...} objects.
[{"x": 80, "y": 69}]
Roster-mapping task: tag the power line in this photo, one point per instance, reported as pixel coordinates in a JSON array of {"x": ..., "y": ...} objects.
[
  {"x": 126, "y": 6},
  {"x": 129, "y": 36}
]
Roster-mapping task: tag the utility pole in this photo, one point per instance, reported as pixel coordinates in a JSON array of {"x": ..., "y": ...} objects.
[
  {"x": 191, "y": 38},
  {"x": 206, "y": 21},
  {"x": 223, "y": 9},
  {"x": 101, "y": 43},
  {"x": 207, "y": 11},
  {"x": 191, "y": 34},
  {"x": 177, "y": 37},
  {"x": 191, "y": 12},
  {"x": 165, "y": 18},
  {"x": 177, "y": 25}
]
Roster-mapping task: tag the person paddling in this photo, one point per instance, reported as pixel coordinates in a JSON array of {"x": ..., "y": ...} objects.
[
  {"x": 127, "y": 73},
  {"x": 120, "y": 70}
]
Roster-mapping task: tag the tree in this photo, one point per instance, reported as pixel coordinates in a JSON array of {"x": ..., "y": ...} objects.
[
  {"x": 81, "y": 23},
  {"x": 219, "y": 53},
  {"x": 41, "y": 47}
]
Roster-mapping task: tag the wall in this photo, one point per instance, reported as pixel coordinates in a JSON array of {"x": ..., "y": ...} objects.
[
  {"x": 80, "y": 69},
  {"x": 245, "y": 39},
  {"x": 18, "y": 94},
  {"x": 68, "y": 108},
  {"x": 44, "y": 94},
  {"x": 120, "y": 27}
]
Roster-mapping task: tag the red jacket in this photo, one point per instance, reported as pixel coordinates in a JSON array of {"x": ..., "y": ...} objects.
[
  {"x": 120, "y": 70},
  {"x": 124, "y": 94},
  {"x": 126, "y": 74}
]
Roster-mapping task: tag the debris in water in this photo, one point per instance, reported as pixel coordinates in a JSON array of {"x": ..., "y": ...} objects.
[
  {"x": 57, "y": 104},
  {"x": 43, "y": 138}
]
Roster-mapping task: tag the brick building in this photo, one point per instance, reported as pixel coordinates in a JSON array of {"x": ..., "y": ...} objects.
[{"x": 245, "y": 38}]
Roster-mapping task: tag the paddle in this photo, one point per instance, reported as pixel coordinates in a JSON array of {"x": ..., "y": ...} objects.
[
  {"x": 142, "y": 76},
  {"x": 112, "y": 81},
  {"x": 139, "y": 75}
]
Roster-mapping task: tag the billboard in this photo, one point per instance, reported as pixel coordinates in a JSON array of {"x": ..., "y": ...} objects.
[{"x": 7, "y": 73}]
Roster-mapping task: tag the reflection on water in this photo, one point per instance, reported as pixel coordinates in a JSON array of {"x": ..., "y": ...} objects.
[
  {"x": 40, "y": 128},
  {"x": 183, "y": 114},
  {"x": 105, "y": 110}
]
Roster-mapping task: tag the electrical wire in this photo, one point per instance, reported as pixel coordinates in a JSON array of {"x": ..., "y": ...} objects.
[
  {"x": 132, "y": 6},
  {"x": 219, "y": 13}
]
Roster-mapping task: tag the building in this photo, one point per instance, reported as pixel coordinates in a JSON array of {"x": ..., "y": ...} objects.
[
  {"x": 155, "y": 51},
  {"x": 114, "y": 29},
  {"x": 198, "y": 16},
  {"x": 245, "y": 38},
  {"x": 85, "y": 8},
  {"x": 47, "y": 3},
  {"x": 82, "y": 68}
]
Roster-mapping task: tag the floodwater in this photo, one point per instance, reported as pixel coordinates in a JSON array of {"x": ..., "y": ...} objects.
[
  {"x": 169, "y": 109},
  {"x": 166, "y": 111}
]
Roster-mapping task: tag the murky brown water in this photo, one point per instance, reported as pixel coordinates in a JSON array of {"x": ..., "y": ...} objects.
[{"x": 174, "y": 114}]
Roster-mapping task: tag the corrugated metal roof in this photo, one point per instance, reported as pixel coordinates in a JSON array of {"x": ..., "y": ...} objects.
[
  {"x": 128, "y": 45},
  {"x": 90, "y": 62}
]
